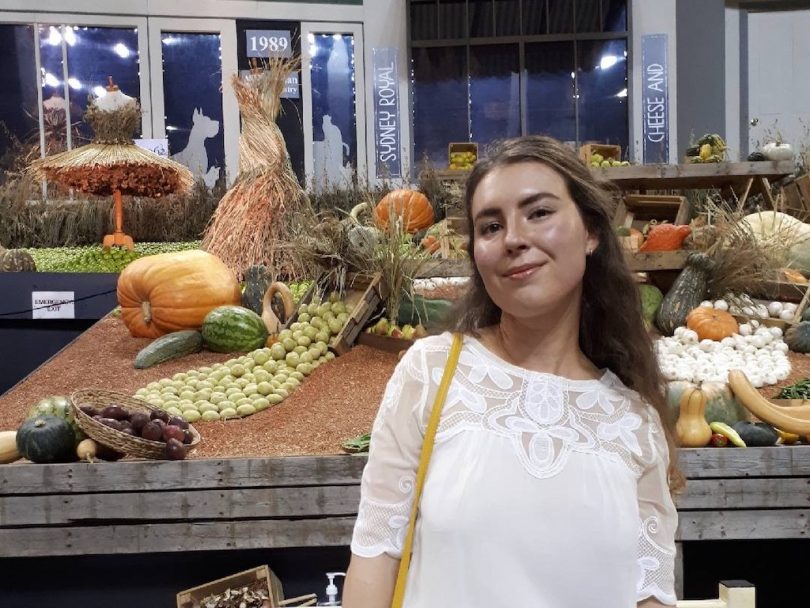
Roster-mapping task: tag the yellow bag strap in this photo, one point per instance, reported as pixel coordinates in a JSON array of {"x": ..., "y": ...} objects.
[{"x": 421, "y": 473}]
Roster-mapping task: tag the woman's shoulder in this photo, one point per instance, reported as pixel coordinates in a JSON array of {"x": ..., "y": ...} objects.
[{"x": 635, "y": 401}]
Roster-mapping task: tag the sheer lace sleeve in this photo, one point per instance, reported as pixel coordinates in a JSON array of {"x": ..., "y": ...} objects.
[
  {"x": 658, "y": 522},
  {"x": 396, "y": 441}
]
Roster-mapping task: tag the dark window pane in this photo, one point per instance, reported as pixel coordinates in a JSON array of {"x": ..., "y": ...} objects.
[
  {"x": 534, "y": 17},
  {"x": 54, "y": 106},
  {"x": 481, "y": 18},
  {"x": 334, "y": 123},
  {"x": 452, "y": 19},
  {"x": 507, "y": 17},
  {"x": 550, "y": 100},
  {"x": 494, "y": 92},
  {"x": 18, "y": 81},
  {"x": 94, "y": 54},
  {"x": 614, "y": 15},
  {"x": 602, "y": 81},
  {"x": 439, "y": 101},
  {"x": 193, "y": 106},
  {"x": 560, "y": 16},
  {"x": 423, "y": 20},
  {"x": 588, "y": 16}
]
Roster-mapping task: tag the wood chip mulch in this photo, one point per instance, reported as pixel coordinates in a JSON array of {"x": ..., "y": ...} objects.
[{"x": 337, "y": 402}]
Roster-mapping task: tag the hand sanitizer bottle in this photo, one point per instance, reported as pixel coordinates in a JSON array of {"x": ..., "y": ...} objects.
[{"x": 331, "y": 590}]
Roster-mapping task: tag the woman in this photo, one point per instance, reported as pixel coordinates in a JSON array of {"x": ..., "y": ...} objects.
[{"x": 549, "y": 481}]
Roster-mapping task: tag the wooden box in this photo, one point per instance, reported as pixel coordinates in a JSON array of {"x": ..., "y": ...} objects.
[
  {"x": 635, "y": 210},
  {"x": 605, "y": 150},
  {"x": 191, "y": 598},
  {"x": 364, "y": 294},
  {"x": 454, "y": 149}
]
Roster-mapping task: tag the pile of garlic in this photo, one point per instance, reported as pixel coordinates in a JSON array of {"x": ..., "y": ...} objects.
[
  {"x": 745, "y": 305},
  {"x": 758, "y": 351}
]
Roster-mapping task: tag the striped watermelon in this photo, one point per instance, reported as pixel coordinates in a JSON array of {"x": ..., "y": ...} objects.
[{"x": 228, "y": 329}]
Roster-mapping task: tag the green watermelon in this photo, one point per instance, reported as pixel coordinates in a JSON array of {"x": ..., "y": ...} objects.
[
  {"x": 651, "y": 298},
  {"x": 230, "y": 329}
]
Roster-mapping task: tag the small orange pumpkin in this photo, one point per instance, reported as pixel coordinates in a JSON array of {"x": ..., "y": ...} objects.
[
  {"x": 414, "y": 208},
  {"x": 711, "y": 324}
]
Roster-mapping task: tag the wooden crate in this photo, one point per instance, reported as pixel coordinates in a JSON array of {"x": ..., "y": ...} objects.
[
  {"x": 364, "y": 294},
  {"x": 460, "y": 147},
  {"x": 635, "y": 210},
  {"x": 191, "y": 598},
  {"x": 386, "y": 343},
  {"x": 605, "y": 150},
  {"x": 780, "y": 323}
]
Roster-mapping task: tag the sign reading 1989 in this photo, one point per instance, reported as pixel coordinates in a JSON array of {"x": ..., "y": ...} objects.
[{"x": 268, "y": 43}]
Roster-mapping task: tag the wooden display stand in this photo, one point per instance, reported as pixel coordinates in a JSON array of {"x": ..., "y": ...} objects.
[
  {"x": 635, "y": 210},
  {"x": 586, "y": 151},
  {"x": 118, "y": 237},
  {"x": 192, "y": 598}
]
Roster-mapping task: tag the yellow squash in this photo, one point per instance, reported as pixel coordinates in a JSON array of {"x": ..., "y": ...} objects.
[{"x": 691, "y": 429}]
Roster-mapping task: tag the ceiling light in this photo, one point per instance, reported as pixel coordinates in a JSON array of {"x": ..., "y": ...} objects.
[
  {"x": 622, "y": 93},
  {"x": 54, "y": 37},
  {"x": 99, "y": 91},
  {"x": 608, "y": 61},
  {"x": 51, "y": 80},
  {"x": 70, "y": 36},
  {"x": 74, "y": 83},
  {"x": 121, "y": 50}
]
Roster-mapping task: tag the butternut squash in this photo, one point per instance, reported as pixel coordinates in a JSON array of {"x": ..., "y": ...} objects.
[
  {"x": 8, "y": 447},
  {"x": 759, "y": 406},
  {"x": 691, "y": 429}
]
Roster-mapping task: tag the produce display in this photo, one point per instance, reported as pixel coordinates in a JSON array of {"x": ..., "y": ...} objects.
[
  {"x": 157, "y": 426},
  {"x": 665, "y": 237},
  {"x": 686, "y": 293},
  {"x": 597, "y": 160},
  {"x": 253, "y": 382},
  {"x": 96, "y": 258},
  {"x": 798, "y": 390},
  {"x": 721, "y": 405},
  {"x": 462, "y": 160},
  {"x": 16, "y": 260},
  {"x": 413, "y": 207},
  {"x": 169, "y": 292},
  {"x": 59, "y": 406},
  {"x": 46, "y": 439},
  {"x": 789, "y": 419},
  {"x": 711, "y": 148}
]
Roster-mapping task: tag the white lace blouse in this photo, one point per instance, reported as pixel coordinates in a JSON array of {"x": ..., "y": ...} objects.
[{"x": 541, "y": 491}]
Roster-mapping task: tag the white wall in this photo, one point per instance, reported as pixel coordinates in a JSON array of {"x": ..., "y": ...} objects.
[{"x": 653, "y": 17}]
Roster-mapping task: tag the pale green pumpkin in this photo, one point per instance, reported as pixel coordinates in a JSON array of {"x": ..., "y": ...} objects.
[{"x": 721, "y": 405}]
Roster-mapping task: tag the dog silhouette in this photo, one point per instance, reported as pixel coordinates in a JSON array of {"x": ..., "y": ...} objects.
[{"x": 194, "y": 156}]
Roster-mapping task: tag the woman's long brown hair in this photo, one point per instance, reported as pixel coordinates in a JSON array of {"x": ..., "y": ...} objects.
[{"x": 611, "y": 327}]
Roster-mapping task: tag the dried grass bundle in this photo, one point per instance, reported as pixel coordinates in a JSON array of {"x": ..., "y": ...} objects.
[
  {"x": 266, "y": 201},
  {"x": 743, "y": 262}
]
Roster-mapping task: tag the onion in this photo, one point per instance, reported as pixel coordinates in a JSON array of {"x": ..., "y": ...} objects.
[
  {"x": 775, "y": 308},
  {"x": 706, "y": 304},
  {"x": 721, "y": 305},
  {"x": 745, "y": 329},
  {"x": 86, "y": 450},
  {"x": 787, "y": 315},
  {"x": 776, "y": 332}
]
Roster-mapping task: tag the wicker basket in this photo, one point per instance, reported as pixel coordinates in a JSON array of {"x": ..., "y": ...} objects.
[{"x": 112, "y": 438}]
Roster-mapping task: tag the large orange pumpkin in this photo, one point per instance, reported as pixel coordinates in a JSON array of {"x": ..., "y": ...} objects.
[
  {"x": 169, "y": 292},
  {"x": 414, "y": 208},
  {"x": 711, "y": 323}
]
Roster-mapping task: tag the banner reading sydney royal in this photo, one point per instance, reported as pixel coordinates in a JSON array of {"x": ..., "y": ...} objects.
[
  {"x": 655, "y": 98},
  {"x": 387, "y": 148}
]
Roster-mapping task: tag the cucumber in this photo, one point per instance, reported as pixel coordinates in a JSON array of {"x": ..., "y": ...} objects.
[{"x": 171, "y": 346}]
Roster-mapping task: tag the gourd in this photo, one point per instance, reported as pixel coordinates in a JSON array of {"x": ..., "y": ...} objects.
[
  {"x": 691, "y": 429},
  {"x": 420, "y": 310},
  {"x": 228, "y": 329},
  {"x": 168, "y": 292},
  {"x": 756, "y": 434},
  {"x": 777, "y": 150},
  {"x": 171, "y": 346},
  {"x": 414, "y": 208},
  {"x": 16, "y": 260},
  {"x": 59, "y": 406},
  {"x": 686, "y": 293},
  {"x": 363, "y": 238},
  {"x": 711, "y": 323},
  {"x": 797, "y": 337},
  {"x": 721, "y": 405},
  {"x": 257, "y": 280},
  {"x": 46, "y": 439},
  {"x": 271, "y": 320},
  {"x": 665, "y": 237},
  {"x": 701, "y": 238},
  {"x": 773, "y": 226},
  {"x": 651, "y": 298},
  {"x": 8, "y": 447},
  {"x": 781, "y": 417}
]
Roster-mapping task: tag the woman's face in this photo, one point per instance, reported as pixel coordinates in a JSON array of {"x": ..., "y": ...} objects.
[{"x": 530, "y": 240}]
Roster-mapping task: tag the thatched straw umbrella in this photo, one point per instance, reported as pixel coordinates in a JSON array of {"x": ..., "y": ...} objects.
[
  {"x": 112, "y": 163},
  {"x": 265, "y": 202}
]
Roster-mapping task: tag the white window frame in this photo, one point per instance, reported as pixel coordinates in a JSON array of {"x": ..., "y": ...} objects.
[
  {"x": 226, "y": 28},
  {"x": 356, "y": 30},
  {"x": 90, "y": 20}
]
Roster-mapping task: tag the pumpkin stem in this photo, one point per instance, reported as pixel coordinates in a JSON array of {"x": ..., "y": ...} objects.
[{"x": 146, "y": 309}]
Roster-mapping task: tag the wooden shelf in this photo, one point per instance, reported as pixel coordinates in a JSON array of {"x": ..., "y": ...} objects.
[{"x": 656, "y": 260}]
